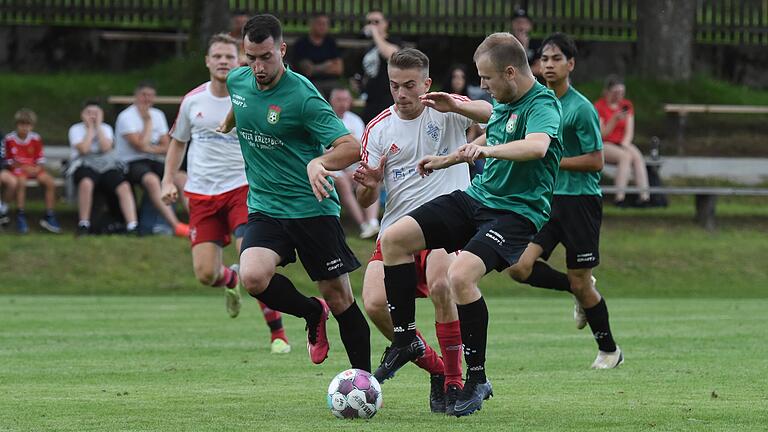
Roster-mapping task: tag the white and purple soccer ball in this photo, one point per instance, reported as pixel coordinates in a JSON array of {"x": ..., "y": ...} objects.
[{"x": 354, "y": 393}]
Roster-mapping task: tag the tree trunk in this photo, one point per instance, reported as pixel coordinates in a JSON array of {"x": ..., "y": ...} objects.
[
  {"x": 665, "y": 33},
  {"x": 208, "y": 18}
]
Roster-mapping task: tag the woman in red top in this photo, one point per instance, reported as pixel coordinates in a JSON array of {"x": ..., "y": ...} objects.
[{"x": 617, "y": 125}]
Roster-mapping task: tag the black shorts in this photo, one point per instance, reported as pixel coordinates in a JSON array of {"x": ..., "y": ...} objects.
[
  {"x": 106, "y": 182},
  {"x": 319, "y": 241},
  {"x": 138, "y": 168},
  {"x": 457, "y": 221},
  {"x": 575, "y": 222}
]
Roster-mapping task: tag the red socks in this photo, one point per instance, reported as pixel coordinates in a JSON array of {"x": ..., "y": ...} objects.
[
  {"x": 430, "y": 361},
  {"x": 449, "y": 337},
  {"x": 274, "y": 321},
  {"x": 228, "y": 278}
]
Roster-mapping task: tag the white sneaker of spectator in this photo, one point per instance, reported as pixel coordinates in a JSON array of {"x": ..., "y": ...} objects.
[{"x": 369, "y": 229}]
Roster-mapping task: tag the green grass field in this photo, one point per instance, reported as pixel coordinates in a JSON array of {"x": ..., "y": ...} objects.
[
  {"x": 179, "y": 363},
  {"x": 114, "y": 333}
]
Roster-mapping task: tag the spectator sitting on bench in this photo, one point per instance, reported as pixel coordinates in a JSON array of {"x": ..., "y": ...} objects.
[
  {"x": 24, "y": 155},
  {"x": 94, "y": 166},
  {"x": 617, "y": 126},
  {"x": 7, "y": 187},
  {"x": 141, "y": 138}
]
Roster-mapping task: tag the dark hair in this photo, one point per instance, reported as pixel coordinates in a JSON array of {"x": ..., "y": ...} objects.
[
  {"x": 562, "y": 41},
  {"x": 91, "y": 102},
  {"x": 448, "y": 83},
  {"x": 504, "y": 50},
  {"x": 521, "y": 13},
  {"x": 410, "y": 58},
  {"x": 261, "y": 27},
  {"x": 612, "y": 80},
  {"x": 221, "y": 38},
  {"x": 145, "y": 84}
]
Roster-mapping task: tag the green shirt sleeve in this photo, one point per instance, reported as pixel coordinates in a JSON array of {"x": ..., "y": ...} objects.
[
  {"x": 544, "y": 117},
  {"x": 321, "y": 122},
  {"x": 588, "y": 130}
]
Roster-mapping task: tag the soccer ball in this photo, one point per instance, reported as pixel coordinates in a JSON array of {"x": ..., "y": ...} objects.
[{"x": 354, "y": 393}]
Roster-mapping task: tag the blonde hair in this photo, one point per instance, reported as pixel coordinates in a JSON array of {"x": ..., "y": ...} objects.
[
  {"x": 25, "y": 115},
  {"x": 504, "y": 50}
]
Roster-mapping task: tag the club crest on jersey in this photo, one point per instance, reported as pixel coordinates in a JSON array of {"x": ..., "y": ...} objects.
[
  {"x": 511, "y": 123},
  {"x": 433, "y": 131},
  {"x": 394, "y": 149},
  {"x": 273, "y": 114}
]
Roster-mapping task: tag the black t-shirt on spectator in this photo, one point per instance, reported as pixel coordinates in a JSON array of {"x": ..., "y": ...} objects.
[
  {"x": 376, "y": 81},
  {"x": 304, "y": 49}
]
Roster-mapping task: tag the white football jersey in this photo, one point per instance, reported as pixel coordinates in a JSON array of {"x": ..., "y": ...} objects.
[
  {"x": 214, "y": 163},
  {"x": 406, "y": 142}
]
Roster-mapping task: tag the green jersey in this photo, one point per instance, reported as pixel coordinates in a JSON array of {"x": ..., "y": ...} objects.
[
  {"x": 522, "y": 187},
  {"x": 581, "y": 135},
  {"x": 280, "y": 131}
]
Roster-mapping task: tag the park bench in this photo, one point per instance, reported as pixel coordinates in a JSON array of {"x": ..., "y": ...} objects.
[
  {"x": 705, "y": 198},
  {"x": 683, "y": 110}
]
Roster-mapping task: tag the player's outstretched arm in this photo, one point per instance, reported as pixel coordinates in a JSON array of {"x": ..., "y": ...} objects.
[
  {"x": 369, "y": 179},
  {"x": 478, "y": 110},
  {"x": 228, "y": 123},
  {"x": 534, "y": 146},
  {"x": 588, "y": 162},
  {"x": 168, "y": 191},
  {"x": 345, "y": 152}
]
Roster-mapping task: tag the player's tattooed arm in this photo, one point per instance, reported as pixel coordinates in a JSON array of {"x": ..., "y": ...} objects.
[
  {"x": 345, "y": 152},
  {"x": 478, "y": 110},
  {"x": 228, "y": 123}
]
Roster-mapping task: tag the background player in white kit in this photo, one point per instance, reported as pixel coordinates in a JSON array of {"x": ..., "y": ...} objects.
[
  {"x": 393, "y": 144},
  {"x": 217, "y": 188}
]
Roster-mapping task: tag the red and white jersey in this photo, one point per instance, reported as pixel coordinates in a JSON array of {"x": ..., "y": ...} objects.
[
  {"x": 406, "y": 142},
  {"x": 214, "y": 163},
  {"x": 27, "y": 151}
]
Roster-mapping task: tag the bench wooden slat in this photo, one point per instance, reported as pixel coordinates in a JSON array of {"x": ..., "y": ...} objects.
[
  {"x": 715, "y": 109},
  {"x": 159, "y": 100},
  {"x": 143, "y": 36},
  {"x": 722, "y": 191}
]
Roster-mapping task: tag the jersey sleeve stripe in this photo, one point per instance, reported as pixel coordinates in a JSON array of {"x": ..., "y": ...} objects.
[
  {"x": 364, "y": 147},
  {"x": 192, "y": 92}
]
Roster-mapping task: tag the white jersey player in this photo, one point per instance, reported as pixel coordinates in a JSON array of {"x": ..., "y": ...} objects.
[{"x": 393, "y": 144}]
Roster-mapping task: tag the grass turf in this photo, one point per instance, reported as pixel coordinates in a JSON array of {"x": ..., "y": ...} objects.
[{"x": 179, "y": 363}]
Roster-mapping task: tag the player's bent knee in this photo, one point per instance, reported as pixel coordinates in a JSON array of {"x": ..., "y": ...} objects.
[
  {"x": 205, "y": 275},
  {"x": 255, "y": 282},
  {"x": 519, "y": 272}
]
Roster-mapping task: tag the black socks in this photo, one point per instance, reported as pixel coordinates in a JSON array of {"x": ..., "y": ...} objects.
[{"x": 400, "y": 283}]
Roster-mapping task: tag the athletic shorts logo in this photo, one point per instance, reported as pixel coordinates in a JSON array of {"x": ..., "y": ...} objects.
[
  {"x": 199, "y": 115},
  {"x": 273, "y": 115},
  {"x": 511, "y": 123}
]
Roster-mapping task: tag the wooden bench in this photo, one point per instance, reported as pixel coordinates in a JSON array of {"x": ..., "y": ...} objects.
[
  {"x": 683, "y": 110},
  {"x": 705, "y": 198}
]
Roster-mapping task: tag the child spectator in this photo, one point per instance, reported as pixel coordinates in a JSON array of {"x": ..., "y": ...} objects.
[
  {"x": 7, "y": 185},
  {"x": 24, "y": 156},
  {"x": 96, "y": 167}
]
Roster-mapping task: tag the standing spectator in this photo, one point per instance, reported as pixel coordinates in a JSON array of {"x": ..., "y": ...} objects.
[
  {"x": 367, "y": 219},
  {"x": 522, "y": 25},
  {"x": 375, "y": 80},
  {"x": 617, "y": 125},
  {"x": 95, "y": 166},
  {"x": 141, "y": 142},
  {"x": 24, "y": 155},
  {"x": 317, "y": 57},
  {"x": 237, "y": 22}
]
